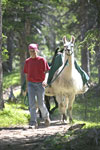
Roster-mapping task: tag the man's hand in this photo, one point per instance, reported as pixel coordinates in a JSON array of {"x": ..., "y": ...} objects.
[{"x": 44, "y": 84}]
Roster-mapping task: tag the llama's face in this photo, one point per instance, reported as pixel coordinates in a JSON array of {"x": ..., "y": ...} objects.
[{"x": 68, "y": 46}]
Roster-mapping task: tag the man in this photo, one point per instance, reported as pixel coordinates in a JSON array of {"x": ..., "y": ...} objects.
[{"x": 35, "y": 69}]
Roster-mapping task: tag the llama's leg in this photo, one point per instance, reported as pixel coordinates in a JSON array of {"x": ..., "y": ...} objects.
[
  {"x": 70, "y": 106},
  {"x": 62, "y": 109},
  {"x": 47, "y": 102},
  {"x": 62, "y": 104},
  {"x": 56, "y": 105},
  {"x": 65, "y": 107}
]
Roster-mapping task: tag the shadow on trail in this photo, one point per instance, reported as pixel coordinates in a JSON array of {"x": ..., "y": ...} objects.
[
  {"x": 57, "y": 136},
  {"x": 12, "y": 128},
  {"x": 22, "y": 138}
]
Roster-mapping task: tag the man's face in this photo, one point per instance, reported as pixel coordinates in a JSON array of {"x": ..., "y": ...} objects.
[{"x": 32, "y": 52}]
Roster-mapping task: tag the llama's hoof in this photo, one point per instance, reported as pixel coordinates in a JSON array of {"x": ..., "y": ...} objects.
[
  {"x": 64, "y": 117},
  {"x": 71, "y": 120}
]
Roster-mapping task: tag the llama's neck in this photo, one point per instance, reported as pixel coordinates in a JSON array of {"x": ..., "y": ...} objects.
[
  {"x": 70, "y": 67},
  {"x": 70, "y": 60}
]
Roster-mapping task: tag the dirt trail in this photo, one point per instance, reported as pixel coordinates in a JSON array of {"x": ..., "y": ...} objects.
[{"x": 22, "y": 138}]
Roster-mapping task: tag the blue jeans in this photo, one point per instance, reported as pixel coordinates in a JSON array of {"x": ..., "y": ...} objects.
[{"x": 36, "y": 89}]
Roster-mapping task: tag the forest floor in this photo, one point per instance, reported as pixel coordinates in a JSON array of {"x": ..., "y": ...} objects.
[
  {"x": 54, "y": 137},
  {"x": 58, "y": 136},
  {"x": 23, "y": 138}
]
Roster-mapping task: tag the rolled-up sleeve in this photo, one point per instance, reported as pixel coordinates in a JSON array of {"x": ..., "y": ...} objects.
[{"x": 47, "y": 68}]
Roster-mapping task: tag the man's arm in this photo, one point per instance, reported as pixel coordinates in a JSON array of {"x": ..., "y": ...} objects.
[
  {"x": 26, "y": 82},
  {"x": 44, "y": 83}
]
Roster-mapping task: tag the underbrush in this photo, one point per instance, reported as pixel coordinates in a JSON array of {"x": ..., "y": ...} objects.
[
  {"x": 86, "y": 110},
  {"x": 11, "y": 79},
  {"x": 13, "y": 115},
  {"x": 87, "y": 107},
  {"x": 82, "y": 139}
]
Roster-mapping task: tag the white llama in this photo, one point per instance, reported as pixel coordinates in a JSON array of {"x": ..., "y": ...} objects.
[{"x": 68, "y": 84}]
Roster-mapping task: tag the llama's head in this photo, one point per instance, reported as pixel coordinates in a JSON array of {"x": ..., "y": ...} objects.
[{"x": 68, "y": 46}]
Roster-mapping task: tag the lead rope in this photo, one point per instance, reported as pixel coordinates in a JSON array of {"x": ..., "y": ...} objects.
[{"x": 66, "y": 63}]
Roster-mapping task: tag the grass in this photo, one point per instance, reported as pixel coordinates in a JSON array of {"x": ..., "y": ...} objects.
[
  {"x": 13, "y": 115},
  {"x": 75, "y": 140},
  {"x": 87, "y": 108},
  {"x": 87, "y": 138},
  {"x": 11, "y": 79}
]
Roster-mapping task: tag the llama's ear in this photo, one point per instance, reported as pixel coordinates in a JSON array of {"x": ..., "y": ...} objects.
[
  {"x": 72, "y": 39},
  {"x": 64, "y": 39}
]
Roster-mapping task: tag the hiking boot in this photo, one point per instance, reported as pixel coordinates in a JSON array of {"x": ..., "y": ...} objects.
[
  {"x": 33, "y": 126},
  {"x": 47, "y": 122}
]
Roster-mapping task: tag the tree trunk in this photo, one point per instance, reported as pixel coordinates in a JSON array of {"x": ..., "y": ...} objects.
[
  {"x": 22, "y": 61},
  {"x": 85, "y": 61},
  {"x": 22, "y": 55},
  {"x": 84, "y": 28},
  {"x": 1, "y": 73},
  {"x": 23, "y": 46},
  {"x": 99, "y": 75},
  {"x": 98, "y": 27},
  {"x": 7, "y": 66},
  {"x": 97, "y": 50},
  {"x": 23, "y": 51},
  {"x": 10, "y": 50}
]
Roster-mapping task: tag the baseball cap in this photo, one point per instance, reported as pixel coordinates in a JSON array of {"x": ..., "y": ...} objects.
[{"x": 33, "y": 46}]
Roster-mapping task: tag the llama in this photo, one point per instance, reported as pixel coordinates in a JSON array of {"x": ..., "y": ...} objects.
[{"x": 68, "y": 84}]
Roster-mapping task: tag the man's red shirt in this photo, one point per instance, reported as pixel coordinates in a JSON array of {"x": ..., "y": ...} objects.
[{"x": 35, "y": 69}]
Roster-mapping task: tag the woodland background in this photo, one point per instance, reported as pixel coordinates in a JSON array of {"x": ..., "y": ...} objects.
[{"x": 45, "y": 22}]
